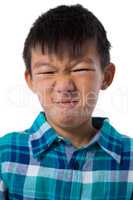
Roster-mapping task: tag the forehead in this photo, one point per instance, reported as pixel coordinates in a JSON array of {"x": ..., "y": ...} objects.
[{"x": 89, "y": 53}]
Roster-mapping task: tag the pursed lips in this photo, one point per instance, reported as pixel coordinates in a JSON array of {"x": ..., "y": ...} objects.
[
  {"x": 66, "y": 99},
  {"x": 65, "y": 102}
]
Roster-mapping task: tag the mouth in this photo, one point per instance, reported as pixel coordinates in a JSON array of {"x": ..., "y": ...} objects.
[{"x": 66, "y": 103}]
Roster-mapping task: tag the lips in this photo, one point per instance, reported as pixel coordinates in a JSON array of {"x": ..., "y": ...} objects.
[{"x": 65, "y": 103}]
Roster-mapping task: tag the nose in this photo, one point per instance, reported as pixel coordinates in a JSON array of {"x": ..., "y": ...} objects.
[{"x": 64, "y": 84}]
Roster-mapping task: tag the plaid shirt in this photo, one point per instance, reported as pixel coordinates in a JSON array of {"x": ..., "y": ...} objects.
[{"x": 39, "y": 164}]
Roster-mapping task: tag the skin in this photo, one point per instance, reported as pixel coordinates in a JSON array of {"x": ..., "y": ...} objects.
[{"x": 56, "y": 80}]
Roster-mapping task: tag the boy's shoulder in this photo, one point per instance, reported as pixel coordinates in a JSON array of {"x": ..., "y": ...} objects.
[
  {"x": 127, "y": 143},
  {"x": 20, "y": 139},
  {"x": 115, "y": 136},
  {"x": 13, "y": 139},
  {"x": 115, "y": 139},
  {"x": 125, "y": 140}
]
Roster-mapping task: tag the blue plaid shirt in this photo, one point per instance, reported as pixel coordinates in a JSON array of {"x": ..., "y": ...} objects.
[{"x": 39, "y": 164}]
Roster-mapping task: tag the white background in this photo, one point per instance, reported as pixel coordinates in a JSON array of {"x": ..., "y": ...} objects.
[{"x": 19, "y": 107}]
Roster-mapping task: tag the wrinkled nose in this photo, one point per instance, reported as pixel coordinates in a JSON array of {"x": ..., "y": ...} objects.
[
  {"x": 65, "y": 90},
  {"x": 64, "y": 85}
]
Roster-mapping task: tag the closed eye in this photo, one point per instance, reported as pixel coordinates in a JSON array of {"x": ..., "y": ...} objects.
[
  {"x": 83, "y": 69},
  {"x": 50, "y": 72}
]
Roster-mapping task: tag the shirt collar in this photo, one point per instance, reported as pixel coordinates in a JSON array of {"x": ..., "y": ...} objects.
[
  {"x": 110, "y": 140},
  {"x": 42, "y": 136}
]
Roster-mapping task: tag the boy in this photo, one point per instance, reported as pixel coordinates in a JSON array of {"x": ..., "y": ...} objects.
[{"x": 67, "y": 154}]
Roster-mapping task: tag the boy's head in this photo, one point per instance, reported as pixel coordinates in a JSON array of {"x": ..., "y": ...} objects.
[
  {"x": 66, "y": 29},
  {"x": 67, "y": 60}
]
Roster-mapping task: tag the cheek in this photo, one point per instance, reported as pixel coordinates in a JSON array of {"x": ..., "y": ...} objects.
[
  {"x": 43, "y": 91},
  {"x": 89, "y": 88}
]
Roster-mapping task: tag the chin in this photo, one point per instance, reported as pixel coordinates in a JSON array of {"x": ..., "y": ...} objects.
[
  {"x": 67, "y": 124},
  {"x": 65, "y": 120}
]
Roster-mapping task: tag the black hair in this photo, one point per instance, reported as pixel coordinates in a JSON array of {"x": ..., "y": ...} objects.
[{"x": 66, "y": 29}]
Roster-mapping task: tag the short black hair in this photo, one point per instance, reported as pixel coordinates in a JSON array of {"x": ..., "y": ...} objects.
[{"x": 66, "y": 29}]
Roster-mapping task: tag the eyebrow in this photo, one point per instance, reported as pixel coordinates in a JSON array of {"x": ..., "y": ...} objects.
[
  {"x": 80, "y": 60},
  {"x": 39, "y": 64}
]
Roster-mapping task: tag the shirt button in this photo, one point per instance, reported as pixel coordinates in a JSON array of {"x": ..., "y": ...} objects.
[
  {"x": 76, "y": 166},
  {"x": 59, "y": 139}
]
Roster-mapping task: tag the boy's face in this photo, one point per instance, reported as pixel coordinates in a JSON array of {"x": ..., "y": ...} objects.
[{"x": 68, "y": 88}]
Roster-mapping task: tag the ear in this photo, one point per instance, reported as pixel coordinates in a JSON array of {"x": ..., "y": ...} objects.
[
  {"x": 108, "y": 76},
  {"x": 29, "y": 80}
]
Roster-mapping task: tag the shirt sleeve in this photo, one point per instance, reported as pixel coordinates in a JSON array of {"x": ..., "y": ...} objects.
[{"x": 3, "y": 190}]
